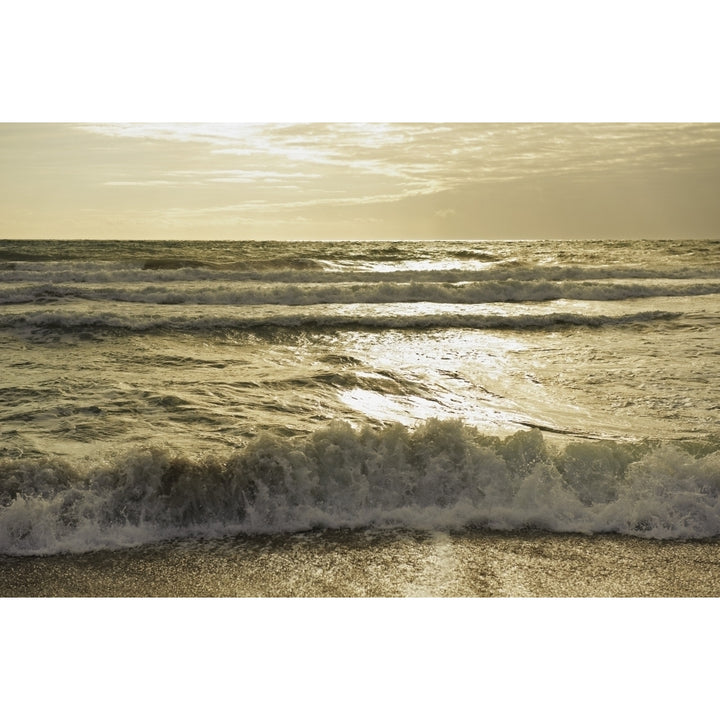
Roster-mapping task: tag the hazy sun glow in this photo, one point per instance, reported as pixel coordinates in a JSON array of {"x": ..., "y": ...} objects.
[{"x": 365, "y": 181}]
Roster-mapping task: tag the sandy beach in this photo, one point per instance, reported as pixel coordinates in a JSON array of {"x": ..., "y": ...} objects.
[{"x": 378, "y": 564}]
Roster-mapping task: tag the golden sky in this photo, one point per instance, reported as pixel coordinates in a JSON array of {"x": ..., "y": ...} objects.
[{"x": 364, "y": 181}]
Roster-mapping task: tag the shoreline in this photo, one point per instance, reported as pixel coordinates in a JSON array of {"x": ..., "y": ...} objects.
[{"x": 374, "y": 563}]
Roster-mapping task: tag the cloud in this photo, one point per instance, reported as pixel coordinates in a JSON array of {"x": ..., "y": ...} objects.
[
  {"x": 139, "y": 183},
  {"x": 412, "y": 177},
  {"x": 422, "y": 158}
]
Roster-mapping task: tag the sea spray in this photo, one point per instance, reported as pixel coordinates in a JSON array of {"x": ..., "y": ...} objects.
[{"x": 440, "y": 475}]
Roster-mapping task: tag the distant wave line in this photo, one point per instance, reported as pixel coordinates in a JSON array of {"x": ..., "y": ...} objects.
[
  {"x": 105, "y": 273},
  {"x": 512, "y": 291},
  {"x": 71, "y": 321}
]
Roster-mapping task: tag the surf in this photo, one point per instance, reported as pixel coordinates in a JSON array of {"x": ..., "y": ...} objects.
[
  {"x": 294, "y": 294},
  {"x": 363, "y": 317},
  {"x": 440, "y": 475}
]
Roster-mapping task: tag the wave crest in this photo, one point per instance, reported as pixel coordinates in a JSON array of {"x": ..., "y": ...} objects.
[
  {"x": 293, "y": 294},
  {"x": 441, "y": 475},
  {"x": 195, "y": 321}
]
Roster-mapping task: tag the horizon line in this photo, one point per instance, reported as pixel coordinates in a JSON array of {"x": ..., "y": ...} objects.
[{"x": 345, "y": 239}]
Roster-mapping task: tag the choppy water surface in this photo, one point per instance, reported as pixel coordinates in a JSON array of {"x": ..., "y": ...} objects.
[{"x": 154, "y": 390}]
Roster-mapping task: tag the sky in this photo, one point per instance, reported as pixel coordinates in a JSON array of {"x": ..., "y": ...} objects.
[{"x": 285, "y": 181}]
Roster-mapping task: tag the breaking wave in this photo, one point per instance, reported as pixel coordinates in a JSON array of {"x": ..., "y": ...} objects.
[
  {"x": 305, "y": 271},
  {"x": 350, "y": 317},
  {"x": 441, "y": 475},
  {"x": 340, "y": 293}
]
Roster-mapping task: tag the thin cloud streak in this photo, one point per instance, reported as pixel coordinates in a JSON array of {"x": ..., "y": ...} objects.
[{"x": 448, "y": 152}]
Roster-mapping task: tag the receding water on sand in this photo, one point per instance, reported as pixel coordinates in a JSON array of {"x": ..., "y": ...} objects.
[{"x": 392, "y": 563}]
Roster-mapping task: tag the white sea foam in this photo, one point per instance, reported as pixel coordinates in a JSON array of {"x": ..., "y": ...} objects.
[
  {"x": 339, "y": 293},
  {"x": 441, "y": 475},
  {"x": 108, "y": 272}
]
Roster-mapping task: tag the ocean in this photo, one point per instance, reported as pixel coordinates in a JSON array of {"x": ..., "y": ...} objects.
[{"x": 414, "y": 404}]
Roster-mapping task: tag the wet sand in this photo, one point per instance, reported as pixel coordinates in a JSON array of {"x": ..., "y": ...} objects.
[{"x": 378, "y": 564}]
